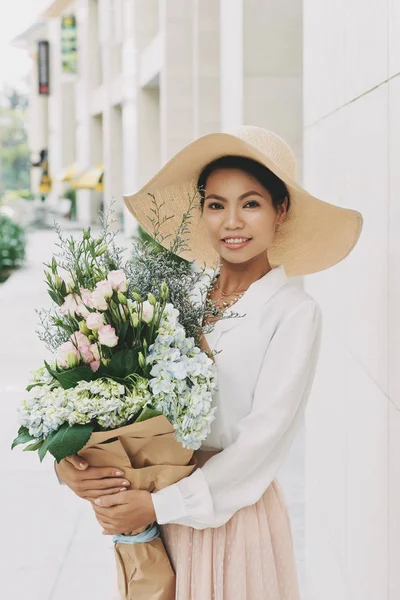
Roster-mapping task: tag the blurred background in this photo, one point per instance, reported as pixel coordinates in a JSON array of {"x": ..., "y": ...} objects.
[{"x": 95, "y": 96}]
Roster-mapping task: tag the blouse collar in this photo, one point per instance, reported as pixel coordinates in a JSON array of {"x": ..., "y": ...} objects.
[{"x": 256, "y": 295}]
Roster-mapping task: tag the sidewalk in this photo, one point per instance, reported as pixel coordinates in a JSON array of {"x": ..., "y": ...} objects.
[{"x": 51, "y": 545}]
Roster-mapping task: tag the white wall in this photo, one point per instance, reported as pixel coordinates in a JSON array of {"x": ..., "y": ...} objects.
[{"x": 352, "y": 128}]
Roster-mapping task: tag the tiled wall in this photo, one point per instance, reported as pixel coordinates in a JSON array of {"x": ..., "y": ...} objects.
[{"x": 351, "y": 158}]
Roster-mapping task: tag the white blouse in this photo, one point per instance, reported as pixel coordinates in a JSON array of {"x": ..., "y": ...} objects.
[{"x": 266, "y": 364}]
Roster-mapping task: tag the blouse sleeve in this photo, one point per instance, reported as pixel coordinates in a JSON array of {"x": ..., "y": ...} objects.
[{"x": 239, "y": 475}]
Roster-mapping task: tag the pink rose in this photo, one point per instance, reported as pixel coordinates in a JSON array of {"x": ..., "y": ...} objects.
[
  {"x": 80, "y": 339},
  {"x": 105, "y": 288},
  {"x": 118, "y": 280},
  {"x": 98, "y": 300},
  {"x": 86, "y": 297},
  {"x": 95, "y": 351},
  {"x": 68, "y": 355},
  {"x": 70, "y": 304},
  {"x": 84, "y": 302},
  {"x": 83, "y": 346},
  {"x": 107, "y": 336},
  {"x": 86, "y": 354},
  {"x": 94, "y": 320},
  {"x": 94, "y": 365}
]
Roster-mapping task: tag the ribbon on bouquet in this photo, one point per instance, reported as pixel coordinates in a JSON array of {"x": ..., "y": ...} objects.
[{"x": 147, "y": 535}]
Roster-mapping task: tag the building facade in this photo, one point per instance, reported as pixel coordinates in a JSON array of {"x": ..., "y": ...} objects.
[
  {"x": 352, "y": 153},
  {"x": 151, "y": 76}
]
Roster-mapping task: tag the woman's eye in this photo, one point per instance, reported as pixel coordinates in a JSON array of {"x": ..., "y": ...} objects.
[
  {"x": 215, "y": 205},
  {"x": 252, "y": 204}
]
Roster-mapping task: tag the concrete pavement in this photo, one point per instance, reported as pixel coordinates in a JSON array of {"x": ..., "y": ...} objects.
[{"x": 51, "y": 547}]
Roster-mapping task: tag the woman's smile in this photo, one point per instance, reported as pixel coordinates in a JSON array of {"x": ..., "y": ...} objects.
[{"x": 235, "y": 243}]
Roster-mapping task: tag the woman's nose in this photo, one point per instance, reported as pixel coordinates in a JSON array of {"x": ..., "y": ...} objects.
[{"x": 233, "y": 219}]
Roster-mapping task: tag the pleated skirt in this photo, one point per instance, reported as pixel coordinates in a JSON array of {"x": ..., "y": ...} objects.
[{"x": 251, "y": 557}]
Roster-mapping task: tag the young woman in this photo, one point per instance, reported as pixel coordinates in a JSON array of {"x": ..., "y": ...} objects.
[{"x": 226, "y": 526}]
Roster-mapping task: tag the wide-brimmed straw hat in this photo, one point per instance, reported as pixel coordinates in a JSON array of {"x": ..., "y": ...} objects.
[{"x": 314, "y": 236}]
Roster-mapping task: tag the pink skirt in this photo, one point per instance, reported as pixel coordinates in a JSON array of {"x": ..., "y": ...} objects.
[{"x": 251, "y": 557}]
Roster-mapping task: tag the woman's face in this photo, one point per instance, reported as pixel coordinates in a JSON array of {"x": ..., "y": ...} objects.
[{"x": 238, "y": 215}]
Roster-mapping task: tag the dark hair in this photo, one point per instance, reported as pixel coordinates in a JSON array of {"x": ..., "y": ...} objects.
[{"x": 265, "y": 176}]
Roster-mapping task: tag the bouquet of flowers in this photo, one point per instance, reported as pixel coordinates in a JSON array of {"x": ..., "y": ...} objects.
[{"x": 129, "y": 384}]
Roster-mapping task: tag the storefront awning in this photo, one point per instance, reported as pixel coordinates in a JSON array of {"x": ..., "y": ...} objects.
[
  {"x": 92, "y": 179},
  {"x": 69, "y": 172}
]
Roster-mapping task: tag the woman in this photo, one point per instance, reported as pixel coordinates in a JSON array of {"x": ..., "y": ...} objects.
[{"x": 226, "y": 526}]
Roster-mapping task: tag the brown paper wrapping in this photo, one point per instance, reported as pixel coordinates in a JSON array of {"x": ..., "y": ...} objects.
[{"x": 151, "y": 459}]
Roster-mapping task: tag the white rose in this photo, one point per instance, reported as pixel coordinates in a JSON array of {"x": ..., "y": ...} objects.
[
  {"x": 98, "y": 300},
  {"x": 105, "y": 288},
  {"x": 107, "y": 336},
  {"x": 148, "y": 312},
  {"x": 70, "y": 304},
  {"x": 94, "y": 321},
  {"x": 68, "y": 354},
  {"x": 118, "y": 280}
]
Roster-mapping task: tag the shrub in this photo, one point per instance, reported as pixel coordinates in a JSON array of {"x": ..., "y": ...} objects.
[{"x": 12, "y": 246}]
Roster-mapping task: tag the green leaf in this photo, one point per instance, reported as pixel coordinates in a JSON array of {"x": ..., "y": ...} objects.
[
  {"x": 54, "y": 297},
  {"x": 45, "y": 446},
  {"x": 122, "y": 333},
  {"x": 32, "y": 385},
  {"x": 50, "y": 370},
  {"x": 23, "y": 437},
  {"x": 69, "y": 440},
  {"x": 123, "y": 363},
  {"x": 148, "y": 413},
  {"x": 71, "y": 377},
  {"x": 33, "y": 447}
]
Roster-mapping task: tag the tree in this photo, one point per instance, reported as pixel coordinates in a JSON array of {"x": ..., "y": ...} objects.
[{"x": 14, "y": 149}]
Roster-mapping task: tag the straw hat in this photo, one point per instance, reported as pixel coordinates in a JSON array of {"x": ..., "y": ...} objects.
[{"x": 314, "y": 236}]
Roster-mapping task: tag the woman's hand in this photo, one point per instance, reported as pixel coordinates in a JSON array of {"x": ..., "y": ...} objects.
[
  {"x": 87, "y": 482},
  {"x": 125, "y": 512}
]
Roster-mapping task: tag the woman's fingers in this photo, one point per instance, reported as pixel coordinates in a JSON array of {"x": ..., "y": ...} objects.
[
  {"x": 102, "y": 473},
  {"x": 93, "y": 494},
  {"x": 77, "y": 462},
  {"x": 104, "y": 484}
]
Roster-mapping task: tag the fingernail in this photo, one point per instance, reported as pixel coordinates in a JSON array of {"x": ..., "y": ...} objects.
[
  {"x": 82, "y": 465},
  {"x": 118, "y": 473},
  {"x": 98, "y": 501},
  {"x": 125, "y": 483},
  {"x": 122, "y": 490}
]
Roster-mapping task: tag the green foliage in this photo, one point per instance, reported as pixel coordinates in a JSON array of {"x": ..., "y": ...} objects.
[
  {"x": 156, "y": 248},
  {"x": 69, "y": 440},
  {"x": 14, "y": 149},
  {"x": 122, "y": 364},
  {"x": 71, "y": 377},
  {"x": 23, "y": 437},
  {"x": 12, "y": 245},
  {"x": 70, "y": 194},
  {"x": 25, "y": 194},
  {"x": 66, "y": 441},
  {"x": 148, "y": 413},
  {"x": 11, "y": 196}
]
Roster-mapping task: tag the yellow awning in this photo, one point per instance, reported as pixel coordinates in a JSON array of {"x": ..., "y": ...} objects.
[
  {"x": 92, "y": 179},
  {"x": 69, "y": 172}
]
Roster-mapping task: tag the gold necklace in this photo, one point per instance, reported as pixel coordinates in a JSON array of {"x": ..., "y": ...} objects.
[
  {"x": 225, "y": 304},
  {"x": 223, "y": 293}
]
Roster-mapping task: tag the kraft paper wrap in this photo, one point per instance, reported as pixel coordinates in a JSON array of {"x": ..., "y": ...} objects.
[{"x": 151, "y": 459}]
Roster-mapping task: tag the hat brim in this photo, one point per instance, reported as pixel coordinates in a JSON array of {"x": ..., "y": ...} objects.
[{"x": 314, "y": 236}]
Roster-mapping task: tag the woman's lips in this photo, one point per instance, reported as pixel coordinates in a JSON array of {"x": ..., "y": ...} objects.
[{"x": 235, "y": 245}]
